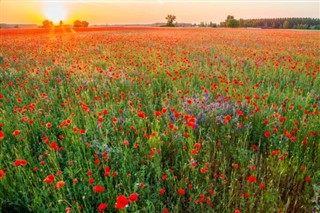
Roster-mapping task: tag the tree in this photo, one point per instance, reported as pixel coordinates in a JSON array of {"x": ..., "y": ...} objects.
[
  {"x": 211, "y": 24},
  {"x": 278, "y": 23},
  {"x": 60, "y": 23},
  {"x": 230, "y": 17},
  {"x": 202, "y": 24},
  {"x": 223, "y": 24},
  {"x": 85, "y": 24},
  {"x": 77, "y": 23},
  {"x": 47, "y": 24},
  {"x": 285, "y": 24},
  {"x": 241, "y": 23},
  {"x": 232, "y": 22},
  {"x": 170, "y": 20}
]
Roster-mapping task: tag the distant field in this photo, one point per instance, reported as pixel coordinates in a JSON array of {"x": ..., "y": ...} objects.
[{"x": 159, "y": 120}]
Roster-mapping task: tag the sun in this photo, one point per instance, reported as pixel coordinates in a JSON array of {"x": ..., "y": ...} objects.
[{"x": 55, "y": 11}]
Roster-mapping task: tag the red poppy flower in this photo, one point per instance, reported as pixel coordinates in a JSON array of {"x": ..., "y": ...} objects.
[
  {"x": 121, "y": 202},
  {"x": 98, "y": 188},
  {"x": 16, "y": 132},
  {"x": 194, "y": 151},
  {"x": 133, "y": 197},
  {"x": 54, "y": 146},
  {"x": 59, "y": 184},
  {"x": 240, "y": 113},
  {"x": 1, "y": 135},
  {"x": 186, "y": 135},
  {"x": 197, "y": 146},
  {"x": 162, "y": 191},
  {"x": 2, "y": 173},
  {"x": 226, "y": 119},
  {"x": 102, "y": 207},
  {"x": 49, "y": 179},
  {"x": 20, "y": 162},
  {"x": 164, "y": 110},
  {"x": 141, "y": 185},
  {"x": 262, "y": 185},
  {"x": 91, "y": 181},
  {"x": 141, "y": 114},
  {"x": 181, "y": 191},
  {"x": 106, "y": 171},
  {"x": 157, "y": 113},
  {"x": 282, "y": 119},
  {"x": 267, "y": 134},
  {"x": 251, "y": 179}
]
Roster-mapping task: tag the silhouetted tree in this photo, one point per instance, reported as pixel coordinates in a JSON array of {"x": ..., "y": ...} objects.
[
  {"x": 47, "y": 24},
  {"x": 79, "y": 23},
  {"x": 170, "y": 20},
  {"x": 85, "y": 24}
]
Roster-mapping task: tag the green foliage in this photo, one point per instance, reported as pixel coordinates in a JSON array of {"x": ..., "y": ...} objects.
[
  {"x": 285, "y": 24},
  {"x": 278, "y": 23},
  {"x": 232, "y": 22}
]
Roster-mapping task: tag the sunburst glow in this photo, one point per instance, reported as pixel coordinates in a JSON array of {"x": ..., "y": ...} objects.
[{"x": 55, "y": 12}]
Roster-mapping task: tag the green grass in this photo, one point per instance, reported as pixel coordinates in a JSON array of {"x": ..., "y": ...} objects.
[{"x": 219, "y": 91}]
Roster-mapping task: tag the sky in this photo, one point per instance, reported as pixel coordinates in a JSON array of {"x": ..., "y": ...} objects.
[{"x": 151, "y": 11}]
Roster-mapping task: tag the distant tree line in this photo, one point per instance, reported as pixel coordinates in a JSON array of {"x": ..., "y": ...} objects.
[
  {"x": 205, "y": 24},
  {"x": 282, "y": 23},
  {"x": 272, "y": 23}
]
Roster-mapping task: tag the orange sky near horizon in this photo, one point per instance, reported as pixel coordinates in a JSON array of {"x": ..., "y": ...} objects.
[{"x": 150, "y": 11}]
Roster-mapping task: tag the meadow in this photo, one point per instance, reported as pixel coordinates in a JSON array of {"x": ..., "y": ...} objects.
[{"x": 159, "y": 120}]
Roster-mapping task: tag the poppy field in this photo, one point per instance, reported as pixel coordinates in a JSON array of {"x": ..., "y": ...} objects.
[{"x": 159, "y": 120}]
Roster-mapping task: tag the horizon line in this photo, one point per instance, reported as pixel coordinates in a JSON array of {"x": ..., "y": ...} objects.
[{"x": 161, "y": 1}]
